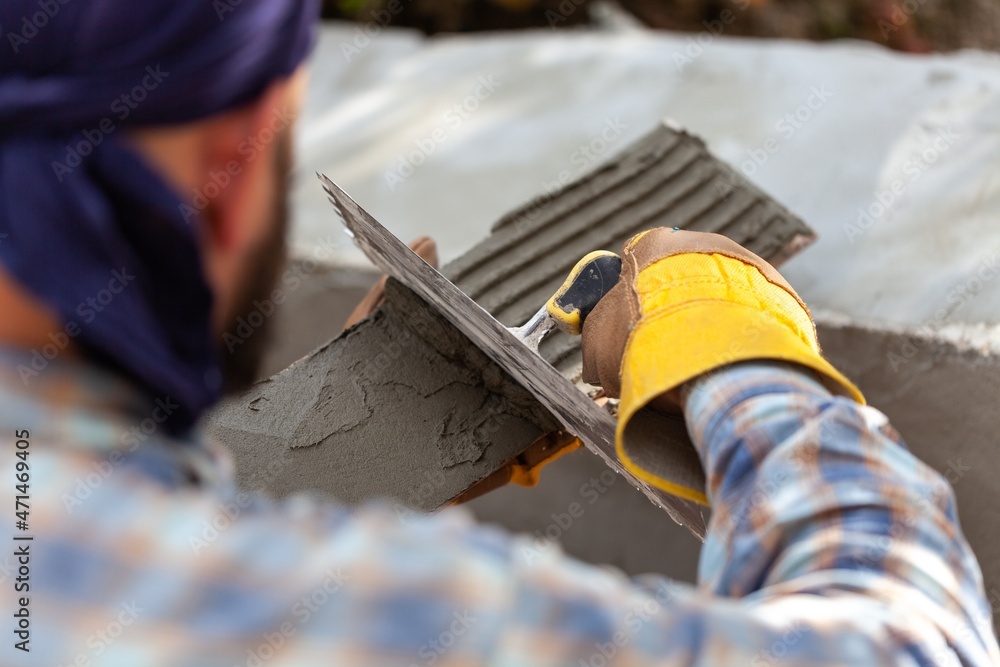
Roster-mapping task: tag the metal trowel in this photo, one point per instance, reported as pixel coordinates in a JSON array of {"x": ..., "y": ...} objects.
[
  {"x": 516, "y": 350},
  {"x": 587, "y": 283}
]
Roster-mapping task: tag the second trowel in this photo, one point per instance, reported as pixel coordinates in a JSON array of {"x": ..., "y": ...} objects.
[{"x": 516, "y": 350}]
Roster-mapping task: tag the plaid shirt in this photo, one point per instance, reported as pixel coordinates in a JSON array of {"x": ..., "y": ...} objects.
[{"x": 829, "y": 545}]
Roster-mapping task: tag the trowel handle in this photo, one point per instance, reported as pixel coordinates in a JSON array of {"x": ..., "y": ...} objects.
[{"x": 588, "y": 282}]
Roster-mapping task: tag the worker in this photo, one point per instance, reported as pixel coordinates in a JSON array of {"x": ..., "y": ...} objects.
[{"x": 144, "y": 151}]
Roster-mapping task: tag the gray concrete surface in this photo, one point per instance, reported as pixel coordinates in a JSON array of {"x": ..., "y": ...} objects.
[
  {"x": 401, "y": 406},
  {"x": 940, "y": 394},
  {"x": 937, "y": 390},
  {"x": 614, "y": 523}
]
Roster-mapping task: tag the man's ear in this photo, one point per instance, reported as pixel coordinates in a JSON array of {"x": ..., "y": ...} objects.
[{"x": 237, "y": 171}]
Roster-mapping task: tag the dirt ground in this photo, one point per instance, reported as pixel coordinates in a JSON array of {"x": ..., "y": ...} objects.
[{"x": 907, "y": 25}]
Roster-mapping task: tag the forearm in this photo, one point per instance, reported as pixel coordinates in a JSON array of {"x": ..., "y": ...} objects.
[
  {"x": 806, "y": 578},
  {"x": 818, "y": 495}
]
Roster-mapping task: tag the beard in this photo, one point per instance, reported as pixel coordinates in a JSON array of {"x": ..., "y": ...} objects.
[{"x": 240, "y": 364}]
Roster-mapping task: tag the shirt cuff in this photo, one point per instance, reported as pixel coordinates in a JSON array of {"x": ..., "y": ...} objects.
[{"x": 709, "y": 399}]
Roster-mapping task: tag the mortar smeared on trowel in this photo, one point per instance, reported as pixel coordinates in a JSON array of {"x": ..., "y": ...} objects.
[{"x": 516, "y": 350}]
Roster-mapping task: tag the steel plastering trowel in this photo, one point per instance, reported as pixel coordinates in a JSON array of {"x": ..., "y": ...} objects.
[{"x": 515, "y": 350}]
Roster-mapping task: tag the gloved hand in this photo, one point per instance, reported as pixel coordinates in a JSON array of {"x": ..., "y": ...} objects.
[{"x": 688, "y": 303}]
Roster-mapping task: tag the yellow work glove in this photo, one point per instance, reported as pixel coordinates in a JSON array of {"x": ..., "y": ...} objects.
[{"x": 688, "y": 303}]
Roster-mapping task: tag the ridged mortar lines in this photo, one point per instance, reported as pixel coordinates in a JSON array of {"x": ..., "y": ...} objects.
[
  {"x": 551, "y": 253},
  {"x": 675, "y": 204},
  {"x": 517, "y": 227},
  {"x": 633, "y": 161},
  {"x": 593, "y": 213},
  {"x": 667, "y": 179}
]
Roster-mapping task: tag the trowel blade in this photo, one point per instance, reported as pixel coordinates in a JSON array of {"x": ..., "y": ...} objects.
[{"x": 577, "y": 413}]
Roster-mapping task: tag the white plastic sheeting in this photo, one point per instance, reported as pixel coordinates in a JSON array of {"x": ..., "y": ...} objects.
[{"x": 893, "y": 159}]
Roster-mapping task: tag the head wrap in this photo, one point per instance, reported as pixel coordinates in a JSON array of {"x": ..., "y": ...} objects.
[{"x": 85, "y": 224}]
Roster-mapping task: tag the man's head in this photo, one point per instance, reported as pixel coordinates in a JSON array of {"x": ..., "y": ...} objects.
[
  {"x": 144, "y": 154},
  {"x": 235, "y": 165}
]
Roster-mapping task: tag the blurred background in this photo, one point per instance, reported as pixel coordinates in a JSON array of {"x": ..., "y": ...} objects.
[
  {"x": 875, "y": 121},
  {"x": 942, "y": 25}
]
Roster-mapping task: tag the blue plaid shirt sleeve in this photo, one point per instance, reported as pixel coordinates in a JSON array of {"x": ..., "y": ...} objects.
[{"x": 829, "y": 544}]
